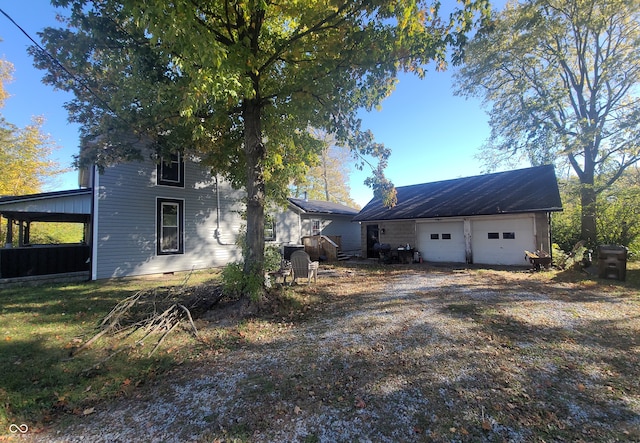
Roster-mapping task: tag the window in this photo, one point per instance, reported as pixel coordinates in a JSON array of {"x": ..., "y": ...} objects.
[
  {"x": 316, "y": 228},
  {"x": 493, "y": 235},
  {"x": 171, "y": 171},
  {"x": 269, "y": 228},
  {"x": 509, "y": 235},
  {"x": 435, "y": 236},
  {"x": 446, "y": 236},
  {"x": 170, "y": 226}
]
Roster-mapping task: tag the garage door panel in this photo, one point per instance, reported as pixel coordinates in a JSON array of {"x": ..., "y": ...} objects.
[
  {"x": 502, "y": 242},
  {"x": 442, "y": 241}
]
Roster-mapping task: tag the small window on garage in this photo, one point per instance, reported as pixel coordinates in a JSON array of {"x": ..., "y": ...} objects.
[
  {"x": 493, "y": 235},
  {"x": 446, "y": 236},
  {"x": 435, "y": 236},
  {"x": 509, "y": 235}
]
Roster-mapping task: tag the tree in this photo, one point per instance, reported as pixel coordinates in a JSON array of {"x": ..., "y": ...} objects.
[
  {"x": 239, "y": 81},
  {"x": 562, "y": 79},
  {"x": 328, "y": 180},
  {"x": 25, "y": 153},
  {"x": 617, "y": 214}
]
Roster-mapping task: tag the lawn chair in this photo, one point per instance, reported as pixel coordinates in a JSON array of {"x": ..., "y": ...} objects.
[
  {"x": 303, "y": 267},
  {"x": 282, "y": 273}
]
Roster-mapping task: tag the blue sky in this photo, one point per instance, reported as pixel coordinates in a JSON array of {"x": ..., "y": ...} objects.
[{"x": 432, "y": 134}]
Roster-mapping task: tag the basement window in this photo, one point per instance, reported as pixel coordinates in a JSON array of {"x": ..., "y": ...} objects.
[{"x": 493, "y": 235}]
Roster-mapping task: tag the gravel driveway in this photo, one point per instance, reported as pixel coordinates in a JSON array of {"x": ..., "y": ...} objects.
[{"x": 434, "y": 356}]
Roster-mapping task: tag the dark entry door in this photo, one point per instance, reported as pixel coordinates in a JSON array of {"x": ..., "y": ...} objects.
[{"x": 372, "y": 239}]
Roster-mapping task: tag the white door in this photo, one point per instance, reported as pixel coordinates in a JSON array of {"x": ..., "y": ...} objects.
[
  {"x": 441, "y": 241},
  {"x": 502, "y": 241}
]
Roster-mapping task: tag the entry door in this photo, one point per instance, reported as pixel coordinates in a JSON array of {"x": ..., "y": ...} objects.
[{"x": 372, "y": 239}]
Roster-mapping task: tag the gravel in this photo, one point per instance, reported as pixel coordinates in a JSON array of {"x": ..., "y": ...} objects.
[{"x": 435, "y": 356}]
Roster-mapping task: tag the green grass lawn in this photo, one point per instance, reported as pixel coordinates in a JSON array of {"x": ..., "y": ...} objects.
[{"x": 40, "y": 325}]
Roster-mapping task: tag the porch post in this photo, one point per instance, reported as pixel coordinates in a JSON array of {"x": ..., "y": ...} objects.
[
  {"x": 27, "y": 233},
  {"x": 20, "y": 234},
  {"x": 8, "y": 244}
]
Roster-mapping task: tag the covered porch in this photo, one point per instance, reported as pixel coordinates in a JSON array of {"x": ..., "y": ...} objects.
[{"x": 23, "y": 260}]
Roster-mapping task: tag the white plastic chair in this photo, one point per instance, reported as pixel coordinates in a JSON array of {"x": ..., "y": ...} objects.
[{"x": 304, "y": 267}]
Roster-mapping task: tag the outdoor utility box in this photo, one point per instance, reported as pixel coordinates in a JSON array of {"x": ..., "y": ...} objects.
[
  {"x": 290, "y": 249},
  {"x": 612, "y": 262}
]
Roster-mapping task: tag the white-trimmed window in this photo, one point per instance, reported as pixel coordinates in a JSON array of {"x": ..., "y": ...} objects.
[
  {"x": 316, "y": 227},
  {"x": 170, "y": 226},
  {"x": 171, "y": 170}
]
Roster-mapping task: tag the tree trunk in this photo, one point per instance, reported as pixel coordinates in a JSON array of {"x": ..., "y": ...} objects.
[
  {"x": 588, "y": 216},
  {"x": 255, "y": 154}
]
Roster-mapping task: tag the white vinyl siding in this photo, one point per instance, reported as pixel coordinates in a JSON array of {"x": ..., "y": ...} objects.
[{"x": 126, "y": 228}]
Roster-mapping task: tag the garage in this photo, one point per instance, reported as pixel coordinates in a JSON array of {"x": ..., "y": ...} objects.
[
  {"x": 502, "y": 241},
  {"x": 441, "y": 241},
  {"x": 489, "y": 219}
]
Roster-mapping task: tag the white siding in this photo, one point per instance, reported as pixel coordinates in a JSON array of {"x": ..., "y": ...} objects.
[
  {"x": 335, "y": 225},
  {"x": 126, "y": 222},
  {"x": 287, "y": 227}
]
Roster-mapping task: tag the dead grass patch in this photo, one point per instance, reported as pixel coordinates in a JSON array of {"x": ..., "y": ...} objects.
[{"x": 401, "y": 354}]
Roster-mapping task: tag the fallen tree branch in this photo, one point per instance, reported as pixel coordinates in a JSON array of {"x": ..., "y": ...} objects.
[{"x": 155, "y": 311}]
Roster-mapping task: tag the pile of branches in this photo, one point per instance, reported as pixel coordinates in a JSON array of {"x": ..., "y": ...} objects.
[{"x": 156, "y": 313}]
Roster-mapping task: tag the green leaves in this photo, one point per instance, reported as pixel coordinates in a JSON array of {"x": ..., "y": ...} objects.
[{"x": 551, "y": 72}]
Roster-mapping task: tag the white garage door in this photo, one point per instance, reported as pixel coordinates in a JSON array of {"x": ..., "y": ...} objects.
[
  {"x": 441, "y": 241},
  {"x": 502, "y": 241}
]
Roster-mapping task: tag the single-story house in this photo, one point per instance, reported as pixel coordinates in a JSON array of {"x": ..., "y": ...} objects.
[
  {"x": 308, "y": 219},
  {"x": 148, "y": 217},
  {"x": 485, "y": 219}
]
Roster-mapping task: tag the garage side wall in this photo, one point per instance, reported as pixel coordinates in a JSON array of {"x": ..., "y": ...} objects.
[
  {"x": 395, "y": 233},
  {"x": 543, "y": 234},
  {"x": 399, "y": 233}
]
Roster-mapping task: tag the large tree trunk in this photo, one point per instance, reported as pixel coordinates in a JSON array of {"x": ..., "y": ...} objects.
[
  {"x": 255, "y": 154},
  {"x": 588, "y": 216}
]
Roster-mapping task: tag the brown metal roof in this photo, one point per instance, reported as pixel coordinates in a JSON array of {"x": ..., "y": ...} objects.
[
  {"x": 524, "y": 190},
  {"x": 322, "y": 207}
]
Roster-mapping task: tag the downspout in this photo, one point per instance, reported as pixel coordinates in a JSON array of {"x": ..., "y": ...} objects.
[
  {"x": 550, "y": 236},
  {"x": 216, "y": 233},
  {"x": 94, "y": 223}
]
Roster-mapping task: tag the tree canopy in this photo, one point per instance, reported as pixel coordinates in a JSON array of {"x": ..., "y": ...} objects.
[
  {"x": 562, "y": 79},
  {"x": 328, "y": 180},
  {"x": 25, "y": 153},
  {"x": 239, "y": 82}
]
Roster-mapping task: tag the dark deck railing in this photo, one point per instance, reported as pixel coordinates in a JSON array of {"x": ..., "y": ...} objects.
[{"x": 44, "y": 260}]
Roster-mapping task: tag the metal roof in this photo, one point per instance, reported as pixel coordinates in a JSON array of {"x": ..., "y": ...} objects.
[
  {"x": 523, "y": 190},
  {"x": 322, "y": 207},
  {"x": 73, "y": 206}
]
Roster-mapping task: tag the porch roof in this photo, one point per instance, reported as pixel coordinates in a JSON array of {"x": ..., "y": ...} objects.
[{"x": 59, "y": 206}]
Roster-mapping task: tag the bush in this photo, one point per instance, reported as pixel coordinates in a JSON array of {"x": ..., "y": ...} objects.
[
  {"x": 236, "y": 283},
  {"x": 573, "y": 259}
]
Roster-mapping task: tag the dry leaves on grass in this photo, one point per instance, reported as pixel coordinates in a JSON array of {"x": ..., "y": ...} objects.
[{"x": 406, "y": 355}]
